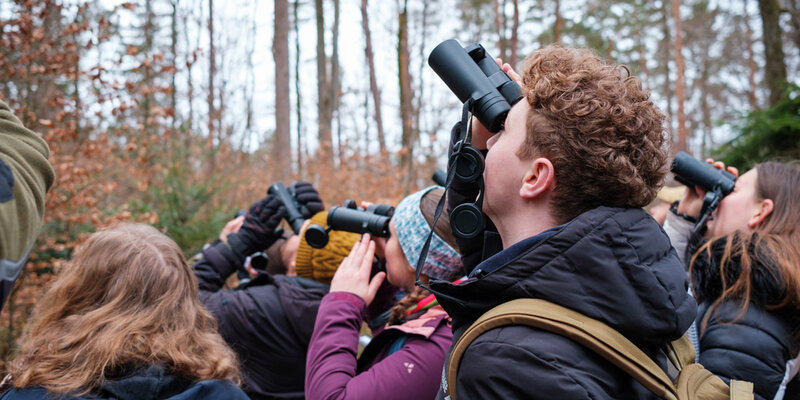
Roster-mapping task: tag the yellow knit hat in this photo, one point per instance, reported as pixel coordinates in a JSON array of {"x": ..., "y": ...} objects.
[{"x": 321, "y": 264}]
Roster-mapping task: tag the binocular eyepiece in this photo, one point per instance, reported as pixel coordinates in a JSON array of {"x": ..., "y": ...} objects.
[
  {"x": 349, "y": 218},
  {"x": 471, "y": 73},
  {"x": 693, "y": 172}
]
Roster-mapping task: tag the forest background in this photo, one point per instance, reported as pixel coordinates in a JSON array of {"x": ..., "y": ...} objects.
[{"x": 178, "y": 113}]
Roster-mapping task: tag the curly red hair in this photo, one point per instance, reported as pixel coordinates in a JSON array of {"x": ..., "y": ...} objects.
[{"x": 599, "y": 128}]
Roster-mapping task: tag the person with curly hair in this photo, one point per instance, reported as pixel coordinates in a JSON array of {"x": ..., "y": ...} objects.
[
  {"x": 123, "y": 321},
  {"x": 565, "y": 182},
  {"x": 745, "y": 276}
]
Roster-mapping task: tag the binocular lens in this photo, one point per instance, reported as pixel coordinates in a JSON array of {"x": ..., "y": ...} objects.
[
  {"x": 259, "y": 261},
  {"x": 346, "y": 219},
  {"x": 467, "y": 80},
  {"x": 693, "y": 172}
]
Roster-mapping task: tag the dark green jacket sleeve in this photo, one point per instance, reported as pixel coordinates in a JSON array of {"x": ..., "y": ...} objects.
[{"x": 25, "y": 177}]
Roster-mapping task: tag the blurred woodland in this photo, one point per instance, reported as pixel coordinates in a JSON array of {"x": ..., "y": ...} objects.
[{"x": 178, "y": 113}]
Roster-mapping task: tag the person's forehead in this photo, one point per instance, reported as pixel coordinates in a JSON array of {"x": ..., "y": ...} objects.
[{"x": 748, "y": 177}]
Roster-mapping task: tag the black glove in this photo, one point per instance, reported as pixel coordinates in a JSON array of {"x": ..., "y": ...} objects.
[
  {"x": 259, "y": 228},
  {"x": 307, "y": 196}
]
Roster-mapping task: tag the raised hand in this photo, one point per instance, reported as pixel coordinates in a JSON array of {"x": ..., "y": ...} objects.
[
  {"x": 258, "y": 229},
  {"x": 307, "y": 196},
  {"x": 353, "y": 275}
]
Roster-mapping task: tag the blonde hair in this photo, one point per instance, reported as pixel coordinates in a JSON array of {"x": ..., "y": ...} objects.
[{"x": 128, "y": 297}]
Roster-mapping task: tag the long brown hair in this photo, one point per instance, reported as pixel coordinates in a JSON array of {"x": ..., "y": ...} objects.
[
  {"x": 442, "y": 229},
  {"x": 774, "y": 244},
  {"x": 127, "y": 297}
]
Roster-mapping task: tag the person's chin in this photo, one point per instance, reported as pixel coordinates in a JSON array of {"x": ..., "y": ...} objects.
[{"x": 711, "y": 228}]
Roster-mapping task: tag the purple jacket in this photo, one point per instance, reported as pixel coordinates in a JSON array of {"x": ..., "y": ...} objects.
[{"x": 412, "y": 372}]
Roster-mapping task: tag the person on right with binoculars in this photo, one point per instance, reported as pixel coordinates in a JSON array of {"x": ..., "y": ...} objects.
[
  {"x": 566, "y": 176},
  {"x": 744, "y": 264}
]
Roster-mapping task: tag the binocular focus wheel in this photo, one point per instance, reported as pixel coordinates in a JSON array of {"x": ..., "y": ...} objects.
[
  {"x": 469, "y": 165},
  {"x": 316, "y": 236},
  {"x": 466, "y": 221}
]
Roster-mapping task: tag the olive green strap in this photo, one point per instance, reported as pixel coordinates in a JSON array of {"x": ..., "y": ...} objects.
[{"x": 591, "y": 333}]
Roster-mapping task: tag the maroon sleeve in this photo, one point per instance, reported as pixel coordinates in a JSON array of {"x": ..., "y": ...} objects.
[{"x": 413, "y": 372}]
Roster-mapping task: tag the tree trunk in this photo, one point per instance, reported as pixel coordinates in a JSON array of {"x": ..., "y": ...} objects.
[
  {"x": 705, "y": 108},
  {"x": 281, "y": 146},
  {"x": 298, "y": 103},
  {"x": 406, "y": 96},
  {"x": 373, "y": 82},
  {"x": 174, "y": 49},
  {"x": 147, "y": 82},
  {"x": 641, "y": 48},
  {"x": 187, "y": 136},
  {"x": 679, "y": 87},
  {"x": 499, "y": 22},
  {"x": 249, "y": 93},
  {"x": 334, "y": 80},
  {"x": 419, "y": 98},
  {"x": 514, "y": 38},
  {"x": 323, "y": 101},
  {"x": 775, "y": 71},
  {"x": 559, "y": 24},
  {"x": 666, "y": 45},
  {"x": 211, "y": 70},
  {"x": 751, "y": 63}
]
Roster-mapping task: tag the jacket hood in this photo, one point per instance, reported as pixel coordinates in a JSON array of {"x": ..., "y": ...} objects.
[
  {"x": 614, "y": 265},
  {"x": 148, "y": 383},
  {"x": 156, "y": 382}
]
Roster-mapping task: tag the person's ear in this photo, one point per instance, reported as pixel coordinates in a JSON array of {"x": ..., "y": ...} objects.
[
  {"x": 761, "y": 212},
  {"x": 539, "y": 179}
]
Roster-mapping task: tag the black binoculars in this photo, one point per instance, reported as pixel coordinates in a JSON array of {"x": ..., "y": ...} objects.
[
  {"x": 471, "y": 73},
  {"x": 693, "y": 172},
  {"x": 717, "y": 183},
  {"x": 294, "y": 210},
  {"x": 349, "y": 218}
]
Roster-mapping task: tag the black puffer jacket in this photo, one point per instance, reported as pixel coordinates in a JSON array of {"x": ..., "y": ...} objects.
[
  {"x": 752, "y": 347},
  {"x": 614, "y": 265},
  {"x": 268, "y": 324}
]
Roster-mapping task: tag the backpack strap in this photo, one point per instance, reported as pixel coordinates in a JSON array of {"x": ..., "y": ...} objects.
[
  {"x": 741, "y": 390},
  {"x": 681, "y": 352},
  {"x": 593, "y": 334}
]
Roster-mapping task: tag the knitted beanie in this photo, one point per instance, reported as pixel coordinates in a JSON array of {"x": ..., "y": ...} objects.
[
  {"x": 321, "y": 264},
  {"x": 443, "y": 262}
]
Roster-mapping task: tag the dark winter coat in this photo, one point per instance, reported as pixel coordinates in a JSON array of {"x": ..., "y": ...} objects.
[
  {"x": 152, "y": 383},
  {"x": 268, "y": 324},
  {"x": 752, "y": 347},
  {"x": 613, "y": 265}
]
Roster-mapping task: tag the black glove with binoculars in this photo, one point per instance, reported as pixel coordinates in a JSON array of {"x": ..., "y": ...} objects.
[{"x": 259, "y": 228}]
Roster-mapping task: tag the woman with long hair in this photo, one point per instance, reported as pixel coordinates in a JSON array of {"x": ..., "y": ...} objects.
[
  {"x": 123, "y": 321},
  {"x": 745, "y": 275},
  {"x": 404, "y": 359}
]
